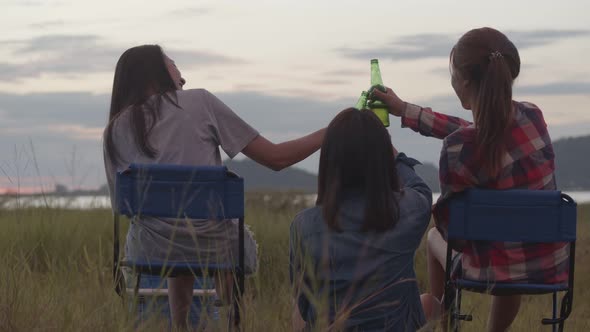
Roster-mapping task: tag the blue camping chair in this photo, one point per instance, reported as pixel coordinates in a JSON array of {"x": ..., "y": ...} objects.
[
  {"x": 536, "y": 216},
  {"x": 175, "y": 191},
  {"x": 155, "y": 288}
]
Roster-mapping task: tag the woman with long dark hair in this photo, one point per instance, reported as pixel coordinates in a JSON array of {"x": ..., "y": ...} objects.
[
  {"x": 506, "y": 146},
  {"x": 352, "y": 255},
  {"x": 153, "y": 120}
]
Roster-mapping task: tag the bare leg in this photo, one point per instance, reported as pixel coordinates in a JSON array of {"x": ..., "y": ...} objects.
[
  {"x": 504, "y": 310},
  {"x": 180, "y": 296},
  {"x": 436, "y": 251},
  {"x": 224, "y": 282},
  {"x": 297, "y": 322},
  {"x": 431, "y": 305}
]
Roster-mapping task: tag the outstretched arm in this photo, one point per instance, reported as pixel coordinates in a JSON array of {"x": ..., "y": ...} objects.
[
  {"x": 422, "y": 120},
  {"x": 279, "y": 156},
  {"x": 430, "y": 123},
  {"x": 234, "y": 135}
]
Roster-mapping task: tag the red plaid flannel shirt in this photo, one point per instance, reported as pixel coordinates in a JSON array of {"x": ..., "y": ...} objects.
[{"x": 528, "y": 164}]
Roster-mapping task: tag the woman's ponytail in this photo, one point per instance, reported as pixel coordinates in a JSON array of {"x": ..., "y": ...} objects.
[
  {"x": 493, "y": 106},
  {"x": 490, "y": 62}
]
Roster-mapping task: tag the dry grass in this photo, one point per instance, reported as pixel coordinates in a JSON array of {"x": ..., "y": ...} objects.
[{"x": 55, "y": 275}]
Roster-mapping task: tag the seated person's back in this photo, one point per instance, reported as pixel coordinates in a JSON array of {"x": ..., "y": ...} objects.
[{"x": 354, "y": 251}]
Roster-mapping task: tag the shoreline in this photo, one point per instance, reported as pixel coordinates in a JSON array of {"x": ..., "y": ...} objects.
[{"x": 85, "y": 202}]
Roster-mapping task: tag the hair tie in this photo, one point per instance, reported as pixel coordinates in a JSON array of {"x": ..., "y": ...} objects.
[{"x": 495, "y": 55}]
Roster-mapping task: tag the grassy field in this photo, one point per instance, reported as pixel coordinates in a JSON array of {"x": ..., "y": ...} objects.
[{"x": 55, "y": 274}]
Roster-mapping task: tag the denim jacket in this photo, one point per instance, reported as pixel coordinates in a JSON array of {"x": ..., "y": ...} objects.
[{"x": 366, "y": 277}]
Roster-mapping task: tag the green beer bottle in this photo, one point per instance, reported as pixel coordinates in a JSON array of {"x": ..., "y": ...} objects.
[
  {"x": 377, "y": 106},
  {"x": 361, "y": 104}
]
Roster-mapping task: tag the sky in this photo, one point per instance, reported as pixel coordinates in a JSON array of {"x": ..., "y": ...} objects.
[{"x": 286, "y": 67}]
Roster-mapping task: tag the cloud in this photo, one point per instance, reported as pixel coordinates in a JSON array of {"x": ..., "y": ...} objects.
[
  {"x": 409, "y": 47},
  {"x": 441, "y": 72},
  {"x": 189, "y": 12},
  {"x": 555, "y": 88},
  {"x": 26, "y": 3},
  {"x": 74, "y": 23},
  {"x": 445, "y": 71},
  {"x": 331, "y": 81},
  {"x": 33, "y": 3},
  {"x": 344, "y": 72},
  {"x": 295, "y": 116},
  {"x": 528, "y": 39},
  {"x": 47, "y": 24},
  {"x": 191, "y": 59},
  {"x": 81, "y": 54},
  {"x": 69, "y": 131},
  {"x": 76, "y": 108},
  {"x": 54, "y": 43},
  {"x": 58, "y": 122},
  {"x": 333, "y": 77},
  {"x": 423, "y": 46},
  {"x": 276, "y": 113}
]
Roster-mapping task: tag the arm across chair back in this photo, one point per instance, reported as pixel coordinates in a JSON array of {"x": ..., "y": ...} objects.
[
  {"x": 512, "y": 216},
  {"x": 175, "y": 191}
]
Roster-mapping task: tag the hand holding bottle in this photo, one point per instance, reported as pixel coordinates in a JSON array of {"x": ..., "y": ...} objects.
[
  {"x": 394, "y": 104},
  {"x": 379, "y": 108},
  {"x": 361, "y": 104}
]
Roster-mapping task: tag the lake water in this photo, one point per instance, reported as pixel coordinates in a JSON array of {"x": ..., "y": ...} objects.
[{"x": 93, "y": 202}]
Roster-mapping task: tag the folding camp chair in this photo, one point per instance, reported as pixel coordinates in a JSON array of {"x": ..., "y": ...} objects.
[
  {"x": 152, "y": 301},
  {"x": 536, "y": 216},
  {"x": 174, "y": 191}
]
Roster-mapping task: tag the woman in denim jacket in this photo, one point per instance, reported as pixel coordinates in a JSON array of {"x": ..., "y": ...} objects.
[{"x": 352, "y": 255}]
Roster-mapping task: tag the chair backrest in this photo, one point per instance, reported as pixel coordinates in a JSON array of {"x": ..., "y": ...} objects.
[
  {"x": 512, "y": 216},
  {"x": 175, "y": 191}
]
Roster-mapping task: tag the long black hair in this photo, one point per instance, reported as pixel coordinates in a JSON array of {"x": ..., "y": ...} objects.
[
  {"x": 140, "y": 73},
  {"x": 357, "y": 156}
]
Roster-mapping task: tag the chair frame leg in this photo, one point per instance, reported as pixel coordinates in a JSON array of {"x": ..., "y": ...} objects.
[
  {"x": 240, "y": 275},
  {"x": 457, "y": 312},
  {"x": 136, "y": 287},
  {"x": 554, "y": 311},
  {"x": 566, "y": 303},
  {"x": 568, "y": 299},
  {"x": 447, "y": 299},
  {"x": 117, "y": 275}
]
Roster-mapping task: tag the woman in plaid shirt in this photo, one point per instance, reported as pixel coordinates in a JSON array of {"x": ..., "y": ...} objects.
[{"x": 507, "y": 146}]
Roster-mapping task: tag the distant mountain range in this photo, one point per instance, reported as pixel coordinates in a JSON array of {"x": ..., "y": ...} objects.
[
  {"x": 572, "y": 164},
  {"x": 429, "y": 173},
  {"x": 572, "y": 171},
  {"x": 259, "y": 178}
]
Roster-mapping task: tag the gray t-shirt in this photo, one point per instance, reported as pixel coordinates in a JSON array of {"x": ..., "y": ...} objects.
[{"x": 187, "y": 135}]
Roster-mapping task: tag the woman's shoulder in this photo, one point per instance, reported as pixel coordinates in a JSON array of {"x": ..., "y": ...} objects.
[
  {"x": 201, "y": 99},
  {"x": 305, "y": 219},
  {"x": 200, "y": 93},
  {"x": 414, "y": 204},
  {"x": 310, "y": 213},
  {"x": 197, "y": 102},
  {"x": 527, "y": 105},
  {"x": 531, "y": 111},
  {"x": 460, "y": 137}
]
